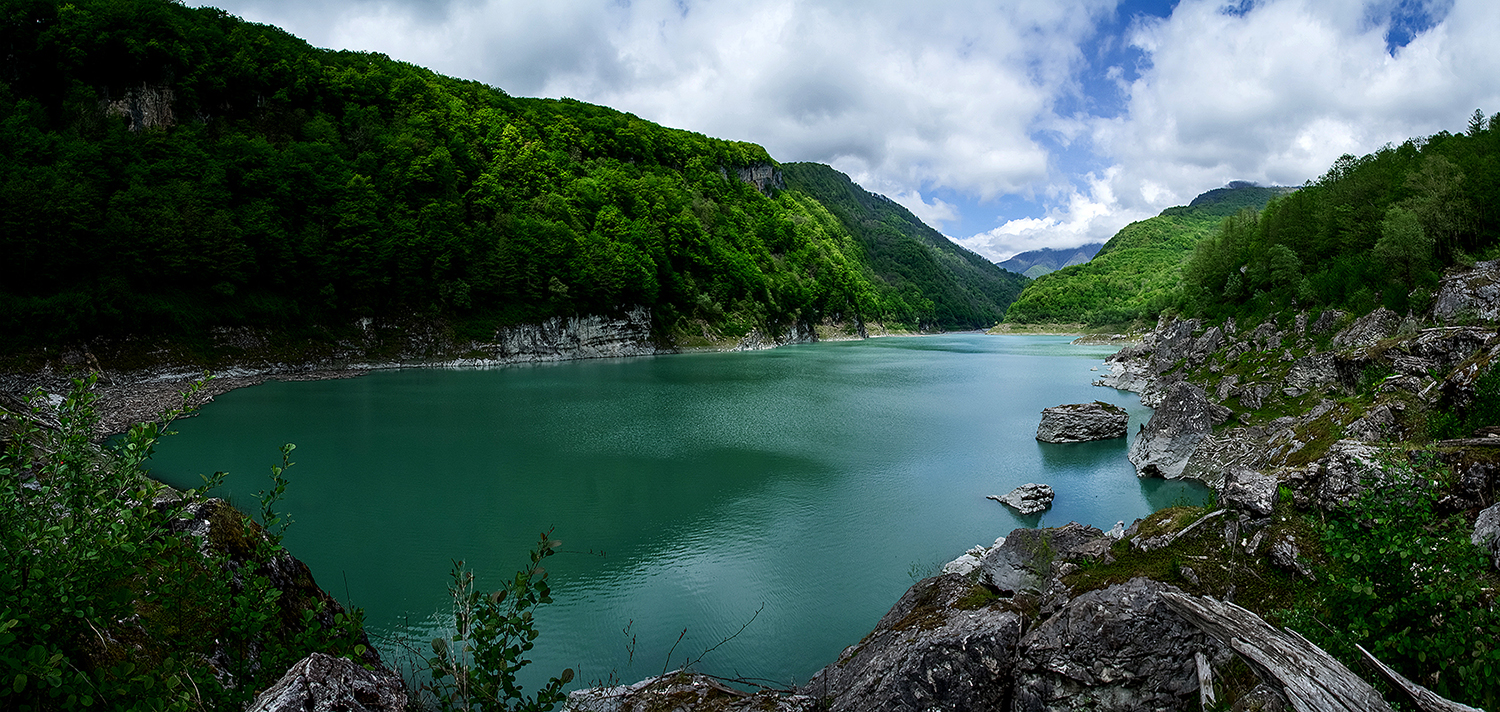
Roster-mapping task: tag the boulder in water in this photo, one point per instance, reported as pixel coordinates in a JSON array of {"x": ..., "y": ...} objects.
[
  {"x": 1029, "y": 498},
  {"x": 1082, "y": 422}
]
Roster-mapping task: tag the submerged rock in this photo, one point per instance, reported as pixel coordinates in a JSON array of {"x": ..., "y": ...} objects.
[
  {"x": 1029, "y": 498},
  {"x": 1163, "y": 447},
  {"x": 1082, "y": 422}
]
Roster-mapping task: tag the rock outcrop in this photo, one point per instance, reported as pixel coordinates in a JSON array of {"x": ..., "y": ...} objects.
[
  {"x": 683, "y": 691},
  {"x": 969, "y": 561},
  {"x": 1031, "y": 561},
  {"x": 1120, "y": 648},
  {"x": 323, "y": 683},
  {"x": 559, "y": 339},
  {"x": 1368, "y": 329},
  {"x": 933, "y": 651},
  {"x": 1250, "y": 491},
  {"x": 1487, "y": 533},
  {"x": 1167, "y": 441},
  {"x": 1474, "y": 294},
  {"x": 1029, "y": 498},
  {"x": 1348, "y": 468},
  {"x": 1082, "y": 422}
]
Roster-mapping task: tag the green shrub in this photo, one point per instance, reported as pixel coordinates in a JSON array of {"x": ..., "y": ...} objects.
[
  {"x": 104, "y": 605},
  {"x": 1406, "y": 583},
  {"x": 476, "y": 669}
]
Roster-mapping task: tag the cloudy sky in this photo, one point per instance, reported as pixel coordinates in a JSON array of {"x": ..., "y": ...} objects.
[{"x": 1007, "y": 124}]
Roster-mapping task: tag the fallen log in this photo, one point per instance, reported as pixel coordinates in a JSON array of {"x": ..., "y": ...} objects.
[
  {"x": 1312, "y": 680},
  {"x": 1427, "y": 700}
]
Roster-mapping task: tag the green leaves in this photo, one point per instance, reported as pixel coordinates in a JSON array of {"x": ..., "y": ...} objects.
[
  {"x": 499, "y": 628},
  {"x": 1406, "y": 583}
]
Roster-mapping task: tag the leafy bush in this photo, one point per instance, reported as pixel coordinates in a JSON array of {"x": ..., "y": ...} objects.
[
  {"x": 105, "y": 602},
  {"x": 476, "y": 669},
  {"x": 1406, "y": 583}
]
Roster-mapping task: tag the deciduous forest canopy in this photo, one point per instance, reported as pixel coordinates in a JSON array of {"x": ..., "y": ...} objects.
[{"x": 166, "y": 168}]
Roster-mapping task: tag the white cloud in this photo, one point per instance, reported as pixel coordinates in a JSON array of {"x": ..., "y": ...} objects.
[
  {"x": 1275, "y": 95},
  {"x": 1093, "y": 214}
]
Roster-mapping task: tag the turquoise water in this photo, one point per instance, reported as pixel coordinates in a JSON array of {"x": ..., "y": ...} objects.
[{"x": 798, "y": 490}]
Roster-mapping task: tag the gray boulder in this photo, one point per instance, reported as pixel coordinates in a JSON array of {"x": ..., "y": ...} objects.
[
  {"x": 1475, "y": 293},
  {"x": 1029, "y": 498},
  {"x": 1120, "y": 648},
  {"x": 1368, "y": 329},
  {"x": 1082, "y": 422},
  {"x": 323, "y": 683},
  {"x": 1487, "y": 533},
  {"x": 1163, "y": 447},
  {"x": 1313, "y": 372},
  {"x": 1250, "y": 491},
  {"x": 1029, "y": 560},
  {"x": 928, "y": 653}
]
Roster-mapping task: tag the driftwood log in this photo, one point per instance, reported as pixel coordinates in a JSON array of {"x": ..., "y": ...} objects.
[
  {"x": 1311, "y": 679},
  {"x": 1426, "y": 700}
]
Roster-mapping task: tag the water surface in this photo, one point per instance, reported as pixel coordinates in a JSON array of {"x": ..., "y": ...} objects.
[{"x": 801, "y": 487}]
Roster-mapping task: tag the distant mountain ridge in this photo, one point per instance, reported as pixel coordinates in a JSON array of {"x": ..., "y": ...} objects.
[{"x": 1035, "y": 263}]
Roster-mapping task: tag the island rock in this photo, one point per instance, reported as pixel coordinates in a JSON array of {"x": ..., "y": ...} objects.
[
  {"x": 1082, "y": 422},
  {"x": 1029, "y": 498}
]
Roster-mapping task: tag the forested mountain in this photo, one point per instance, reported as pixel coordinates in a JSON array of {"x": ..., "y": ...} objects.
[
  {"x": 164, "y": 169},
  {"x": 927, "y": 272},
  {"x": 1035, "y": 263},
  {"x": 1375, "y": 230},
  {"x": 1136, "y": 274}
]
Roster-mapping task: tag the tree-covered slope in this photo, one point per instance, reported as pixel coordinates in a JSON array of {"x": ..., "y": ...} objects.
[
  {"x": 1373, "y": 230},
  {"x": 1136, "y": 274},
  {"x": 940, "y": 282},
  {"x": 164, "y": 169}
]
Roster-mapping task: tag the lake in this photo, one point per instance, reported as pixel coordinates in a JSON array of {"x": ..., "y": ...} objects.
[{"x": 794, "y": 493}]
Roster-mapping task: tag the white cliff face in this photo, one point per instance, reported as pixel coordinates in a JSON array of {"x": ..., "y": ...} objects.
[{"x": 566, "y": 338}]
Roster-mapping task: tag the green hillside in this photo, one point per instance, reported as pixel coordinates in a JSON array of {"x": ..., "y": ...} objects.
[
  {"x": 1136, "y": 274},
  {"x": 1377, "y": 229},
  {"x": 166, "y": 169},
  {"x": 936, "y": 281}
]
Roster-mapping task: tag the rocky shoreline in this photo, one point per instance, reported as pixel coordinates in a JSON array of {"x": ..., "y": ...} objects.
[{"x": 129, "y": 396}]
